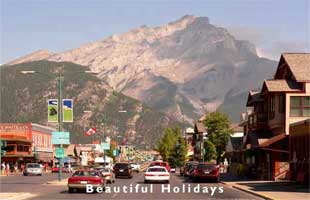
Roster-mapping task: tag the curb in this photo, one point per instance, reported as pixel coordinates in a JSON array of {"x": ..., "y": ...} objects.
[
  {"x": 253, "y": 193},
  {"x": 266, "y": 197}
]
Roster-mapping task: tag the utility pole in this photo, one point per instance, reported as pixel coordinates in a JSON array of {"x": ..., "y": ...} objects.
[{"x": 60, "y": 119}]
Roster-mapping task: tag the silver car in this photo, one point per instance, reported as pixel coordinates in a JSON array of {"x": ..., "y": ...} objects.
[{"x": 33, "y": 169}]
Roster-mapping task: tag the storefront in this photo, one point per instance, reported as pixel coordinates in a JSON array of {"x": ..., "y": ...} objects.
[
  {"x": 299, "y": 151},
  {"x": 26, "y": 142}
]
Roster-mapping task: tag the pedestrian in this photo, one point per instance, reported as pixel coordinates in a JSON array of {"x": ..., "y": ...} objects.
[
  {"x": 3, "y": 168},
  {"x": 22, "y": 167},
  {"x": 16, "y": 168},
  {"x": 7, "y": 169},
  {"x": 69, "y": 168}
]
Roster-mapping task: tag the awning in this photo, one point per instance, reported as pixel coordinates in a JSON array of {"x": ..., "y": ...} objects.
[{"x": 272, "y": 140}]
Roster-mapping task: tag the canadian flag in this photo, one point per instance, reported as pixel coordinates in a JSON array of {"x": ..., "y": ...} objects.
[{"x": 90, "y": 131}]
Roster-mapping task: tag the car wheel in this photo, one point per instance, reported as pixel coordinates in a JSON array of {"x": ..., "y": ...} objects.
[
  {"x": 167, "y": 182},
  {"x": 70, "y": 190}
]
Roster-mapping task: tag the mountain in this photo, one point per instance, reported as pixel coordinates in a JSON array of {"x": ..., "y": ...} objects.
[
  {"x": 184, "y": 68},
  {"x": 24, "y": 99}
]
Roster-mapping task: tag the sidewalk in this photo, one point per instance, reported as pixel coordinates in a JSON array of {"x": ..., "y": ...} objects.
[{"x": 283, "y": 190}]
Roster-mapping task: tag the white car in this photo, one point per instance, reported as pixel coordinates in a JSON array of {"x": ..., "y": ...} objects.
[
  {"x": 32, "y": 169},
  {"x": 156, "y": 174},
  {"x": 135, "y": 167}
]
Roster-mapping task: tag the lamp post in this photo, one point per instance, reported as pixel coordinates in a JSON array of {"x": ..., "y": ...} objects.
[{"x": 60, "y": 78}]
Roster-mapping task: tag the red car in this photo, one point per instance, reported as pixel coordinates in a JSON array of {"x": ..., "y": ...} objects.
[
  {"x": 162, "y": 164},
  {"x": 206, "y": 172},
  {"x": 82, "y": 177},
  {"x": 56, "y": 170}
]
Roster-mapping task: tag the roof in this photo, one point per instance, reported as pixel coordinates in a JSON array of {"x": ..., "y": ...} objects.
[
  {"x": 254, "y": 96},
  {"x": 272, "y": 140},
  {"x": 282, "y": 86},
  {"x": 43, "y": 129},
  {"x": 256, "y": 138},
  {"x": 234, "y": 144},
  {"x": 200, "y": 128},
  {"x": 236, "y": 127},
  {"x": 299, "y": 64}
]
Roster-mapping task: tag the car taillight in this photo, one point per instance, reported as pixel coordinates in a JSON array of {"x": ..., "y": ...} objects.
[
  {"x": 96, "y": 181},
  {"x": 148, "y": 174},
  {"x": 163, "y": 174}
]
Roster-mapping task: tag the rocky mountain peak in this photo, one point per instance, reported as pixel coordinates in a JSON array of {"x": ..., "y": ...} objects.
[{"x": 180, "y": 68}]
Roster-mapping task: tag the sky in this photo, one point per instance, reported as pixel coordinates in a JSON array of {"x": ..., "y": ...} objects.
[{"x": 274, "y": 26}]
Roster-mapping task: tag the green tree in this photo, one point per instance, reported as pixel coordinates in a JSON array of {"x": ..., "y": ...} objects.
[
  {"x": 219, "y": 131},
  {"x": 172, "y": 146},
  {"x": 210, "y": 150}
]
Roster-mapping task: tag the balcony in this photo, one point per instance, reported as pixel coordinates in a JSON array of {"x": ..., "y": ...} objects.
[{"x": 257, "y": 121}]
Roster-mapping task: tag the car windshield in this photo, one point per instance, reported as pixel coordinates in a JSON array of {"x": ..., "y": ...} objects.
[
  {"x": 206, "y": 167},
  {"x": 85, "y": 173},
  {"x": 155, "y": 169},
  {"x": 33, "y": 165}
]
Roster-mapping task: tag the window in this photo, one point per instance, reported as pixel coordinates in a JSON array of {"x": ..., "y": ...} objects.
[
  {"x": 300, "y": 106},
  {"x": 281, "y": 103},
  {"x": 271, "y": 106},
  {"x": 10, "y": 148}
]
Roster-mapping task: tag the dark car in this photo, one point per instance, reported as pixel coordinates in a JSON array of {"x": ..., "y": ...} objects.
[
  {"x": 123, "y": 169},
  {"x": 204, "y": 171}
]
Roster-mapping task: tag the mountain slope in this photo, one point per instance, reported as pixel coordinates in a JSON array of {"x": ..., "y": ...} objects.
[
  {"x": 188, "y": 64},
  {"x": 24, "y": 97}
]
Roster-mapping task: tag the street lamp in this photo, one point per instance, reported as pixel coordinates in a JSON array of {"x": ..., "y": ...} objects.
[{"x": 60, "y": 78}]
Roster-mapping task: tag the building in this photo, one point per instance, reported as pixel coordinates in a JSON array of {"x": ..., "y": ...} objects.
[
  {"x": 27, "y": 142},
  {"x": 299, "y": 151},
  {"x": 199, "y": 135},
  {"x": 233, "y": 150},
  {"x": 282, "y": 101},
  {"x": 18, "y": 138},
  {"x": 42, "y": 146}
]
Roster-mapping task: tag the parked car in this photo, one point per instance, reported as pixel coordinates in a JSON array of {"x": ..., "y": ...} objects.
[
  {"x": 32, "y": 169},
  {"x": 135, "y": 167},
  {"x": 55, "y": 169},
  {"x": 173, "y": 168},
  {"x": 205, "y": 171},
  {"x": 122, "y": 169},
  {"x": 107, "y": 174},
  {"x": 82, "y": 177},
  {"x": 162, "y": 164},
  {"x": 155, "y": 174}
]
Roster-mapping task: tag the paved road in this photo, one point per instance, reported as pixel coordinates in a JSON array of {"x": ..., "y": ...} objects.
[{"x": 38, "y": 186}]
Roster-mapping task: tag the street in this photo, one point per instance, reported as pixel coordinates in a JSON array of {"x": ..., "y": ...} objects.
[{"x": 37, "y": 188}]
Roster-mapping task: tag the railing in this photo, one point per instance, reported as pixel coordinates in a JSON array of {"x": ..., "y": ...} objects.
[{"x": 257, "y": 120}]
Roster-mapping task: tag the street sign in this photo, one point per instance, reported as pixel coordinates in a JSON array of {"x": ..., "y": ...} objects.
[
  {"x": 60, "y": 152},
  {"x": 105, "y": 146},
  {"x": 67, "y": 110},
  {"x": 52, "y": 110},
  {"x": 60, "y": 137}
]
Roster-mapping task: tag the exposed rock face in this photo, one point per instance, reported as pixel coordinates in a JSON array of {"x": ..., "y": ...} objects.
[
  {"x": 185, "y": 67},
  {"x": 37, "y": 55}
]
